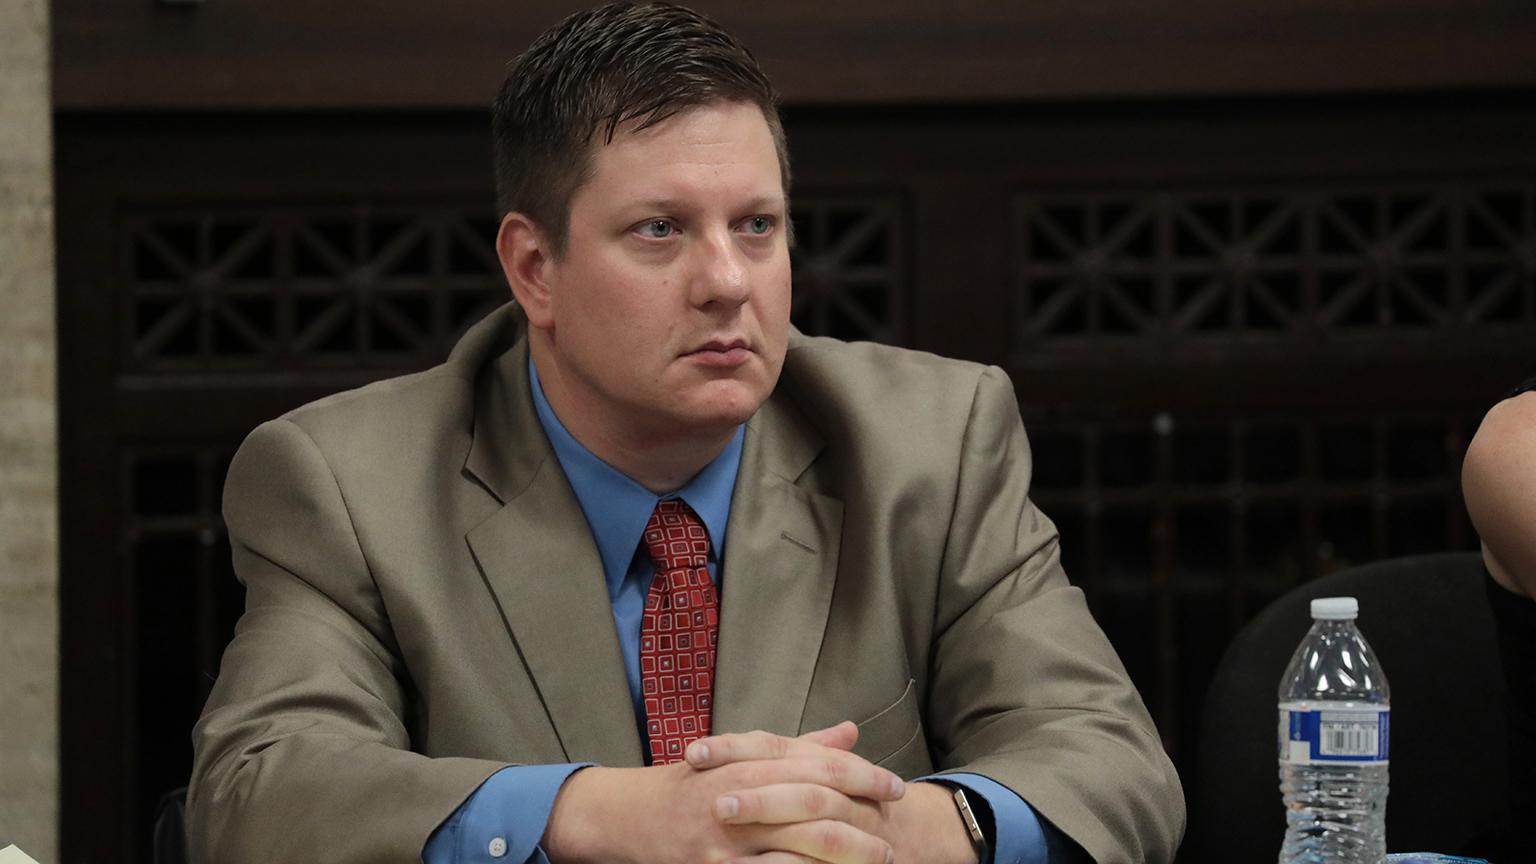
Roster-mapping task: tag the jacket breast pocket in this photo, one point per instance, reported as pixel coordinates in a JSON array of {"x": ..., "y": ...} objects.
[{"x": 893, "y": 736}]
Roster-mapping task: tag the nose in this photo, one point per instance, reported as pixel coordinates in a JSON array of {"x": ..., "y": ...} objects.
[{"x": 721, "y": 273}]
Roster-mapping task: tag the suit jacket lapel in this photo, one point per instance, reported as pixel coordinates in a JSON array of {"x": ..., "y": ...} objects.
[
  {"x": 781, "y": 554},
  {"x": 541, "y": 565}
]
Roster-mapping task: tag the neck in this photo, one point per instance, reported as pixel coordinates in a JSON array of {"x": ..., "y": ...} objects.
[{"x": 660, "y": 460}]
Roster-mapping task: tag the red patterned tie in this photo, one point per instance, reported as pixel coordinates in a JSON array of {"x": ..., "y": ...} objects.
[{"x": 678, "y": 633}]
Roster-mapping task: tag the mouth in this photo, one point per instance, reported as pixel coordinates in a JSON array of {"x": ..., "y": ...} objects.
[
  {"x": 721, "y": 352},
  {"x": 722, "y": 345}
]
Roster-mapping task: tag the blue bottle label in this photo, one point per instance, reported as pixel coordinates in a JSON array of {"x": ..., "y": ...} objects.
[{"x": 1318, "y": 733}]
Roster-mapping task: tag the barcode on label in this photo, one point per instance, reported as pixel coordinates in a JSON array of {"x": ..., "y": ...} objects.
[
  {"x": 1344, "y": 733},
  {"x": 1347, "y": 737}
]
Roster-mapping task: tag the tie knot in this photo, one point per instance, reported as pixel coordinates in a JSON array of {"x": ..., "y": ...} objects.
[{"x": 675, "y": 537}]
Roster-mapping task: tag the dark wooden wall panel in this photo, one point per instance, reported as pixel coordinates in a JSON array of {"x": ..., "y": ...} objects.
[{"x": 393, "y": 54}]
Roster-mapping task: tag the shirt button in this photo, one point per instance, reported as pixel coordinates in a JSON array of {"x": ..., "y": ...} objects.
[{"x": 498, "y": 847}]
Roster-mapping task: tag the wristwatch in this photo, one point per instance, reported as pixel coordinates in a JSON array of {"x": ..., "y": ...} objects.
[{"x": 968, "y": 816}]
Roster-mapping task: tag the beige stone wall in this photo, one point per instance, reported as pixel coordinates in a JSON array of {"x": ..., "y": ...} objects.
[{"x": 29, "y": 632}]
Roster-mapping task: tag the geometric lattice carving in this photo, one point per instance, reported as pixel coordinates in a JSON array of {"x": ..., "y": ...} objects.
[
  {"x": 1375, "y": 478},
  {"x": 1295, "y": 262},
  {"x": 848, "y": 274},
  {"x": 1180, "y": 531},
  {"x": 285, "y": 288},
  {"x": 288, "y": 288}
]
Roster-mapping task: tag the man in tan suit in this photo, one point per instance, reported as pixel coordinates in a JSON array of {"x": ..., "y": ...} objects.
[{"x": 461, "y": 584}]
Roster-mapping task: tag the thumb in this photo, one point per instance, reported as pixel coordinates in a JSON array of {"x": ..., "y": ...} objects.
[{"x": 839, "y": 737}]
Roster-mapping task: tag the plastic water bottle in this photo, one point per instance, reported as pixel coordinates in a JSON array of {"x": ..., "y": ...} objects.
[{"x": 1334, "y": 718}]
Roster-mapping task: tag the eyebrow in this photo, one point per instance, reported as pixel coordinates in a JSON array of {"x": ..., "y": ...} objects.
[{"x": 759, "y": 202}]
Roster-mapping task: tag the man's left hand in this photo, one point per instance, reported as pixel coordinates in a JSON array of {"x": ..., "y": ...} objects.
[{"x": 924, "y": 825}]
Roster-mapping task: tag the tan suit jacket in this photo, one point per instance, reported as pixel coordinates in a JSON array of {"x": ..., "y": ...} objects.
[{"x": 425, "y": 605}]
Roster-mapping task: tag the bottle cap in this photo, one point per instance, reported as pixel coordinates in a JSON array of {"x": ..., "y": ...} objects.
[{"x": 1335, "y": 608}]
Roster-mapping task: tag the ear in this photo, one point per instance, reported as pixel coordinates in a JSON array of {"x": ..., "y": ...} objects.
[{"x": 525, "y": 260}]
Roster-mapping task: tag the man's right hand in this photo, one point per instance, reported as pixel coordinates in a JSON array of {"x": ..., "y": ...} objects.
[{"x": 666, "y": 813}]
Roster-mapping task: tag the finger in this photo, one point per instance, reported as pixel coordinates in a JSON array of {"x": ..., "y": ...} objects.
[
  {"x": 840, "y": 737},
  {"x": 826, "y": 840},
  {"x": 846, "y": 772},
  {"x": 783, "y": 803},
  {"x": 718, "y": 750},
  {"x": 852, "y": 775},
  {"x": 776, "y": 858},
  {"x": 838, "y": 771}
]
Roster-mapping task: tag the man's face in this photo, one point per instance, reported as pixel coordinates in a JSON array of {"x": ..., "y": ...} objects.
[{"x": 670, "y": 305}]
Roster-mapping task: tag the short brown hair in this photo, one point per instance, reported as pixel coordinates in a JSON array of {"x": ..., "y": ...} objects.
[{"x": 597, "y": 69}]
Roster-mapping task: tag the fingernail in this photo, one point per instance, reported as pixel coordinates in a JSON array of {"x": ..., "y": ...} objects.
[
  {"x": 727, "y": 807},
  {"x": 898, "y": 788},
  {"x": 698, "y": 752},
  {"x": 890, "y": 856}
]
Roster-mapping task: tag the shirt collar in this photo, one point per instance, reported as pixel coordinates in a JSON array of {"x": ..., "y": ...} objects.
[{"x": 617, "y": 507}]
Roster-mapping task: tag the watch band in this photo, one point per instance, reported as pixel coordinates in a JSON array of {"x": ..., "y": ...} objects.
[{"x": 968, "y": 816}]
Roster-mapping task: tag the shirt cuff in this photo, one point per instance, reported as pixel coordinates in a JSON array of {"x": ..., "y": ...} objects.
[
  {"x": 1018, "y": 834},
  {"x": 503, "y": 820}
]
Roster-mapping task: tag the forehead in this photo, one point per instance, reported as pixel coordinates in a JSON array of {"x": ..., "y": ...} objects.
[{"x": 718, "y": 147}]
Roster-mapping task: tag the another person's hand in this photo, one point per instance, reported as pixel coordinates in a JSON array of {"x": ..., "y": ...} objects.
[
  {"x": 670, "y": 813},
  {"x": 1498, "y": 479},
  {"x": 921, "y": 825}
]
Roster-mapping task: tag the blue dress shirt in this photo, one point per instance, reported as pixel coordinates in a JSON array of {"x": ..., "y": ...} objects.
[{"x": 505, "y": 818}]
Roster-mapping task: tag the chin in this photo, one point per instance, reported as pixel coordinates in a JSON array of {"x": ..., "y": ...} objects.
[
  {"x": 722, "y": 419},
  {"x": 730, "y": 408}
]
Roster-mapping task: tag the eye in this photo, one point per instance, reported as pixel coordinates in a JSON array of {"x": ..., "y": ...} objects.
[
  {"x": 759, "y": 225},
  {"x": 657, "y": 229}
]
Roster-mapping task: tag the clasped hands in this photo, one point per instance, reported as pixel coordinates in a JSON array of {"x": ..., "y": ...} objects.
[{"x": 756, "y": 798}]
